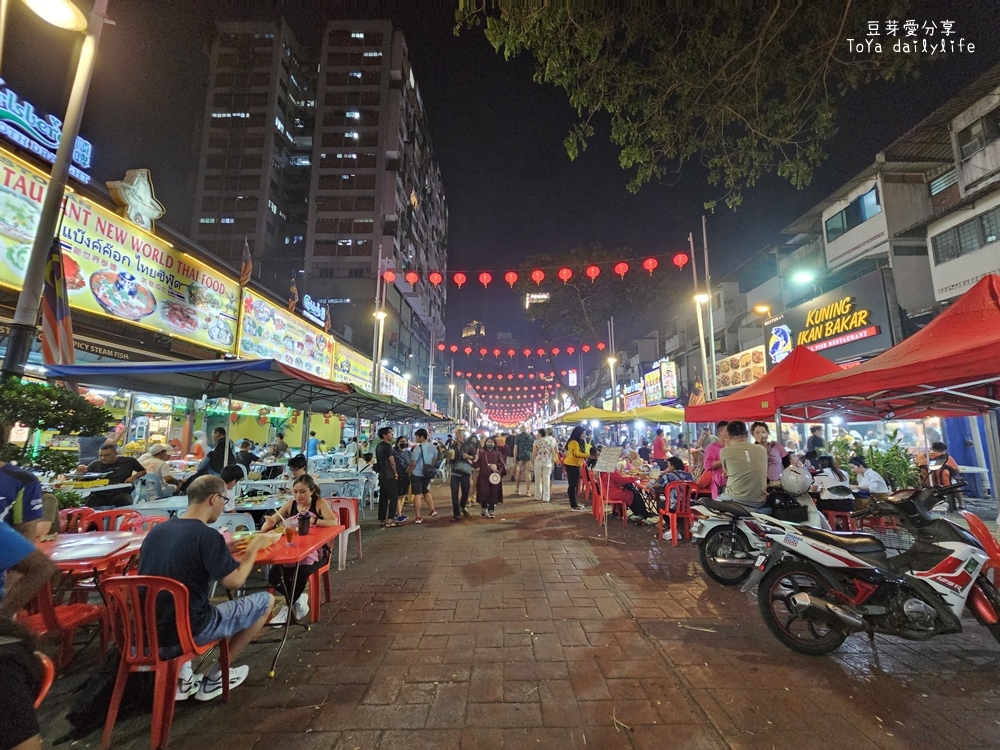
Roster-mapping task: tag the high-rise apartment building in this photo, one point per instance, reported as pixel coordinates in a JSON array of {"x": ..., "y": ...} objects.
[
  {"x": 326, "y": 166},
  {"x": 376, "y": 192},
  {"x": 253, "y": 176}
]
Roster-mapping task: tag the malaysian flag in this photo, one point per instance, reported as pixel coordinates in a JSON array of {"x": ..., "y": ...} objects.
[
  {"x": 326, "y": 321},
  {"x": 246, "y": 270},
  {"x": 293, "y": 296},
  {"x": 57, "y": 326},
  {"x": 697, "y": 397}
]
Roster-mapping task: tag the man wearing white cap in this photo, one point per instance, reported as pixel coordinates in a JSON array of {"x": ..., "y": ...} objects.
[{"x": 155, "y": 462}]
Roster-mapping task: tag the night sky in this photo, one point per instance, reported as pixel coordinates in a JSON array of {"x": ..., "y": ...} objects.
[{"x": 510, "y": 187}]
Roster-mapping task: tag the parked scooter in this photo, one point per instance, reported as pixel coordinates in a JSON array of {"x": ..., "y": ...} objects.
[
  {"x": 817, "y": 587},
  {"x": 729, "y": 539}
]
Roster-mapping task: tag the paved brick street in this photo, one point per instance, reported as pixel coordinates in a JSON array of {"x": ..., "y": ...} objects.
[{"x": 529, "y": 632}]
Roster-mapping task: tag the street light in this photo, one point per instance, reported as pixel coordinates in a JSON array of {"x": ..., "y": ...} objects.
[
  {"x": 803, "y": 277},
  {"x": 614, "y": 383},
  {"x": 64, "y": 15},
  {"x": 451, "y": 400},
  {"x": 762, "y": 310},
  {"x": 701, "y": 299},
  {"x": 380, "y": 316}
]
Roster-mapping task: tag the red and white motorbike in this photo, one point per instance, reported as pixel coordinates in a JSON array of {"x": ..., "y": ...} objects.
[{"x": 816, "y": 587}]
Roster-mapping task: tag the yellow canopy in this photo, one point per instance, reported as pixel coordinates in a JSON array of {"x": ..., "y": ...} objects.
[
  {"x": 658, "y": 414},
  {"x": 593, "y": 413}
]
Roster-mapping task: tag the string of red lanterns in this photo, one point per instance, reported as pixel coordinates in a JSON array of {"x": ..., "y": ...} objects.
[
  {"x": 504, "y": 375},
  {"x": 564, "y": 274},
  {"x": 511, "y": 352}
]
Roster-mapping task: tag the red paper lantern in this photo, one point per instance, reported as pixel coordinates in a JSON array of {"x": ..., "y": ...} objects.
[
  {"x": 467, "y": 350},
  {"x": 650, "y": 265},
  {"x": 570, "y": 349},
  {"x": 485, "y": 279},
  {"x": 389, "y": 277},
  {"x": 483, "y": 351},
  {"x": 511, "y": 352},
  {"x": 680, "y": 260},
  {"x": 621, "y": 268},
  {"x": 563, "y": 373},
  {"x": 520, "y": 376},
  {"x": 479, "y": 376},
  {"x": 412, "y": 277},
  {"x": 460, "y": 278},
  {"x": 565, "y": 275},
  {"x": 538, "y": 276},
  {"x": 511, "y": 278},
  {"x": 592, "y": 273},
  {"x": 527, "y": 352},
  {"x": 601, "y": 345},
  {"x": 453, "y": 348},
  {"x": 531, "y": 376},
  {"x": 489, "y": 376},
  {"x": 441, "y": 347},
  {"x": 585, "y": 348},
  {"x": 510, "y": 376},
  {"x": 459, "y": 373},
  {"x": 540, "y": 352},
  {"x": 555, "y": 351},
  {"x": 496, "y": 352},
  {"x": 435, "y": 277}
]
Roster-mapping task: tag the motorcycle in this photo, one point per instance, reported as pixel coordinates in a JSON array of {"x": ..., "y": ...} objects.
[
  {"x": 728, "y": 537},
  {"x": 815, "y": 587}
]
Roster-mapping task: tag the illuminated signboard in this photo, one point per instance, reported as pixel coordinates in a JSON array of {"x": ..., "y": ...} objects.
[
  {"x": 394, "y": 385},
  {"x": 39, "y": 133},
  {"x": 654, "y": 389},
  {"x": 668, "y": 378},
  {"x": 740, "y": 370},
  {"x": 314, "y": 310},
  {"x": 115, "y": 269},
  {"x": 635, "y": 398},
  {"x": 271, "y": 332},
  {"x": 351, "y": 367},
  {"x": 848, "y": 323}
]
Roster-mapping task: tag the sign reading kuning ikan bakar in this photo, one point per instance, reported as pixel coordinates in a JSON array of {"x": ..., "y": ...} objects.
[
  {"x": 351, "y": 367},
  {"x": 741, "y": 369},
  {"x": 115, "y": 269},
  {"x": 849, "y": 323},
  {"x": 270, "y": 332}
]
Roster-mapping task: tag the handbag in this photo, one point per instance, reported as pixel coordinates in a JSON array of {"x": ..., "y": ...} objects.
[
  {"x": 462, "y": 468},
  {"x": 495, "y": 478}
]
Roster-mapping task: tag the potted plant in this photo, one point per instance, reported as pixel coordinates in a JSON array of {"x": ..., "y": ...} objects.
[{"x": 895, "y": 464}]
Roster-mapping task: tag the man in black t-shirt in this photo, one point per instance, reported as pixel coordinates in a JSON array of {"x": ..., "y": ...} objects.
[
  {"x": 188, "y": 550},
  {"x": 815, "y": 441},
  {"x": 120, "y": 470}
]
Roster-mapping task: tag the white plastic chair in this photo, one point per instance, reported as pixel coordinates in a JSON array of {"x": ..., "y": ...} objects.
[
  {"x": 350, "y": 505},
  {"x": 235, "y": 522}
]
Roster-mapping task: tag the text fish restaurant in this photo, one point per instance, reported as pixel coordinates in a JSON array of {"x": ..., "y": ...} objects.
[{"x": 145, "y": 294}]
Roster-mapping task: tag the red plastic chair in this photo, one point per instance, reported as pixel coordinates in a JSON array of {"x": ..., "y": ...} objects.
[
  {"x": 682, "y": 509},
  {"x": 109, "y": 520},
  {"x": 48, "y": 675},
  {"x": 51, "y": 620},
  {"x": 132, "y": 606},
  {"x": 843, "y": 515},
  {"x": 142, "y": 524},
  {"x": 71, "y": 519}
]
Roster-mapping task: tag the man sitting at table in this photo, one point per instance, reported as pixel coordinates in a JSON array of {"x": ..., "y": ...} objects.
[
  {"x": 297, "y": 466},
  {"x": 231, "y": 475},
  {"x": 246, "y": 456},
  {"x": 155, "y": 462},
  {"x": 188, "y": 550},
  {"x": 119, "y": 470}
]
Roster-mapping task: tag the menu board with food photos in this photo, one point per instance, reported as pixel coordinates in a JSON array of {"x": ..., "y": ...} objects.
[
  {"x": 270, "y": 332},
  {"x": 115, "y": 269},
  {"x": 740, "y": 370},
  {"x": 351, "y": 367}
]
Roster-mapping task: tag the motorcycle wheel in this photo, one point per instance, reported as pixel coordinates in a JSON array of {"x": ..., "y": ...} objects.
[
  {"x": 810, "y": 637},
  {"x": 722, "y": 541}
]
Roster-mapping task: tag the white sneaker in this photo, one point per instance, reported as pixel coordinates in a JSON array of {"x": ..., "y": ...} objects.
[
  {"x": 302, "y": 607},
  {"x": 281, "y": 618},
  {"x": 213, "y": 688},
  {"x": 187, "y": 688}
]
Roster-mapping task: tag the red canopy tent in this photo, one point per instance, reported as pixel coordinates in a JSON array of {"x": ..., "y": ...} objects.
[
  {"x": 758, "y": 400},
  {"x": 951, "y": 367}
]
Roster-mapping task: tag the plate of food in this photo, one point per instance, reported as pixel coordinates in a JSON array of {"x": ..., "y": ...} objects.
[
  {"x": 121, "y": 295},
  {"x": 261, "y": 311},
  {"x": 179, "y": 315},
  {"x": 239, "y": 541},
  {"x": 72, "y": 274},
  {"x": 18, "y": 218},
  {"x": 220, "y": 332}
]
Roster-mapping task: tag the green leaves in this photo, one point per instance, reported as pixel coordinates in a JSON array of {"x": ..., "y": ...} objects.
[{"x": 743, "y": 89}]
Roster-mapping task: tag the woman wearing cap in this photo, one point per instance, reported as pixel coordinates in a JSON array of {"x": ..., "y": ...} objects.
[{"x": 155, "y": 462}]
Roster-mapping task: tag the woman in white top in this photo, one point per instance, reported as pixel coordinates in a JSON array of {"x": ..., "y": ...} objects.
[{"x": 868, "y": 479}]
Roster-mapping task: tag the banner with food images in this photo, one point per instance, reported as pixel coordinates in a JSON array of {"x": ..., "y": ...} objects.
[
  {"x": 741, "y": 369},
  {"x": 351, "y": 367},
  {"x": 115, "y": 269},
  {"x": 271, "y": 332}
]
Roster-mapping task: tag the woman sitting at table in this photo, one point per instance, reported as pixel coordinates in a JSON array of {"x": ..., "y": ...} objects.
[
  {"x": 307, "y": 499},
  {"x": 362, "y": 462}
]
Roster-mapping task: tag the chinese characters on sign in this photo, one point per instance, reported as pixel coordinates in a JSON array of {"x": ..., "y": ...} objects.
[{"x": 910, "y": 37}]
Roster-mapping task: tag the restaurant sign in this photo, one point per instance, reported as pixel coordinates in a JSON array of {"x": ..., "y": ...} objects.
[
  {"x": 845, "y": 324},
  {"x": 635, "y": 397},
  {"x": 271, "y": 332},
  {"x": 39, "y": 133},
  {"x": 740, "y": 370},
  {"x": 351, "y": 367},
  {"x": 668, "y": 379},
  {"x": 654, "y": 388},
  {"x": 113, "y": 268},
  {"x": 394, "y": 385}
]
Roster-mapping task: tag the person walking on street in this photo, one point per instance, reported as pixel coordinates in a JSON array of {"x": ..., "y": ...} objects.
[
  {"x": 576, "y": 455},
  {"x": 461, "y": 457},
  {"x": 523, "y": 455},
  {"x": 492, "y": 469},
  {"x": 388, "y": 476},
  {"x": 543, "y": 455},
  {"x": 423, "y": 460}
]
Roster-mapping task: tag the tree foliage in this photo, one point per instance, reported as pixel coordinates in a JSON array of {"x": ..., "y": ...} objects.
[{"x": 745, "y": 89}]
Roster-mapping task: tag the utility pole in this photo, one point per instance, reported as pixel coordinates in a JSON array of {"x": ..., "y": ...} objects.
[
  {"x": 701, "y": 324},
  {"x": 711, "y": 301}
]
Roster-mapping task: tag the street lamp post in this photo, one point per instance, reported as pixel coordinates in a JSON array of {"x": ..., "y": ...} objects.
[
  {"x": 461, "y": 411},
  {"x": 614, "y": 383},
  {"x": 65, "y": 15},
  {"x": 699, "y": 298},
  {"x": 764, "y": 312},
  {"x": 380, "y": 316},
  {"x": 451, "y": 400}
]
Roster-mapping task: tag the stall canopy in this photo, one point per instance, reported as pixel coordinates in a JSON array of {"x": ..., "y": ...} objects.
[
  {"x": 950, "y": 367},
  {"x": 658, "y": 414},
  {"x": 592, "y": 413},
  {"x": 758, "y": 401},
  {"x": 259, "y": 381}
]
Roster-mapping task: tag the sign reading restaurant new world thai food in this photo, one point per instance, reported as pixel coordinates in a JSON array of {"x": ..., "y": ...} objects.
[{"x": 115, "y": 269}]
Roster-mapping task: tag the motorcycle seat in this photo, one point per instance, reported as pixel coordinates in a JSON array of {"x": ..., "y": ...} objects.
[
  {"x": 858, "y": 544},
  {"x": 726, "y": 506}
]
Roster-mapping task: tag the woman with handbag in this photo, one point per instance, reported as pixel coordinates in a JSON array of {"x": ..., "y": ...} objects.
[
  {"x": 461, "y": 455},
  {"x": 492, "y": 468}
]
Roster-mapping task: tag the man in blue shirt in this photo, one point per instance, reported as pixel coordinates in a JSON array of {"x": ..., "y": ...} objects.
[{"x": 312, "y": 447}]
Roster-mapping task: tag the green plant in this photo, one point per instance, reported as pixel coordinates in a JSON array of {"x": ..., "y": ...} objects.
[
  {"x": 68, "y": 499},
  {"x": 843, "y": 448},
  {"x": 895, "y": 464},
  {"x": 48, "y": 460}
]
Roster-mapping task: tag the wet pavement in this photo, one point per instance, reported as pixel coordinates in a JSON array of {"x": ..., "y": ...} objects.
[{"x": 532, "y": 631}]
